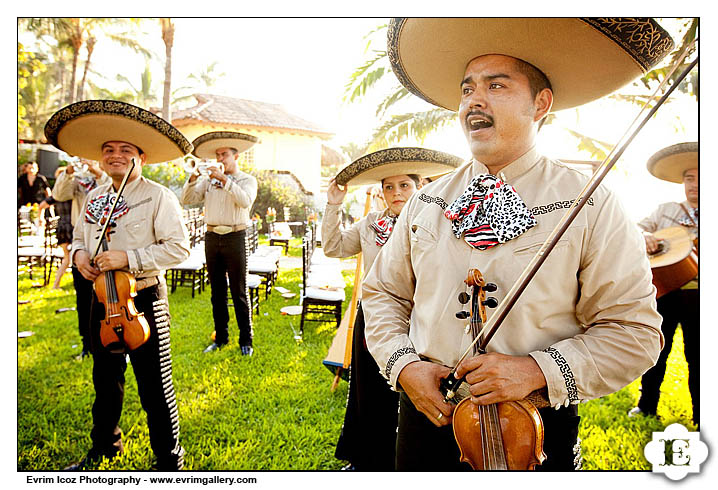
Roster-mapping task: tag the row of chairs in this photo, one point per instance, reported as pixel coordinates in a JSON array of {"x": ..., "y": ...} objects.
[
  {"x": 322, "y": 284},
  {"x": 38, "y": 250}
]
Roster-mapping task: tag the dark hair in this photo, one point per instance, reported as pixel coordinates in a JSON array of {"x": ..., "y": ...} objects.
[
  {"x": 537, "y": 79},
  {"x": 414, "y": 177}
]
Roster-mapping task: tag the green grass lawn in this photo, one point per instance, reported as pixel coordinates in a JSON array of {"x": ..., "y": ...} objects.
[{"x": 271, "y": 411}]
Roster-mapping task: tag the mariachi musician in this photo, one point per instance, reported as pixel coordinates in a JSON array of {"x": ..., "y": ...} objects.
[
  {"x": 146, "y": 236},
  {"x": 586, "y": 325},
  {"x": 368, "y": 436},
  {"x": 678, "y": 164}
]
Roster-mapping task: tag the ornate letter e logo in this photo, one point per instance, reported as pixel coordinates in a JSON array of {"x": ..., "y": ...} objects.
[{"x": 676, "y": 452}]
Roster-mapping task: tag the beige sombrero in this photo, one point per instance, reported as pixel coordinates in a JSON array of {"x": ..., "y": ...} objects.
[
  {"x": 583, "y": 58},
  {"x": 374, "y": 167},
  {"x": 671, "y": 162},
  {"x": 206, "y": 144},
  {"x": 81, "y": 128}
]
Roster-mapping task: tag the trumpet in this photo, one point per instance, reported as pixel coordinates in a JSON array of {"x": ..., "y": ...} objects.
[
  {"x": 194, "y": 166},
  {"x": 81, "y": 170}
]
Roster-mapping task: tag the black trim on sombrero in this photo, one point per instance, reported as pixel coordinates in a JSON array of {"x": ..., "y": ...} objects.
[
  {"x": 393, "y": 31},
  {"x": 389, "y": 155},
  {"x": 113, "y": 107},
  {"x": 641, "y": 37},
  {"x": 214, "y": 135}
]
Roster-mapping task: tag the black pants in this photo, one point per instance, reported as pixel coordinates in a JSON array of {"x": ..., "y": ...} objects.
[
  {"x": 421, "y": 446},
  {"x": 152, "y": 364},
  {"x": 83, "y": 300},
  {"x": 368, "y": 438},
  {"x": 227, "y": 258},
  {"x": 680, "y": 306}
]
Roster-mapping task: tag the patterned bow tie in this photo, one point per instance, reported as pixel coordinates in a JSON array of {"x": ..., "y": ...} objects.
[
  {"x": 383, "y": 227},
  {"x": 489, "y": 212},
  {"x": 99, "y": 207}
]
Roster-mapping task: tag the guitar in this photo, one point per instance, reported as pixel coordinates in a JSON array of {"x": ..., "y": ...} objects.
[{"x": 675, "y": 263}]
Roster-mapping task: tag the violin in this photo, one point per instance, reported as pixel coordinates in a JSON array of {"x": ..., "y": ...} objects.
[
  {"x": 500, "y": 436},
  {"x": 123, "y": 328}
]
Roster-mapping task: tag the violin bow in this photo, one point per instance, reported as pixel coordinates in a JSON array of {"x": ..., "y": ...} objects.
[
  {"x": 532, "y": 268},
  {"x": 114, "y": 205}
]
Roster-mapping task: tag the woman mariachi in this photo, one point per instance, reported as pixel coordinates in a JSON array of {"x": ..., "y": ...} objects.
[{"x": 369, "y": 432}]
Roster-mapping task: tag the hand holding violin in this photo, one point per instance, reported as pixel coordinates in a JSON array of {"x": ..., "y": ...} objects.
[
  {"x": 420, "y": 380},
  {"x": 498, "y": 377}
]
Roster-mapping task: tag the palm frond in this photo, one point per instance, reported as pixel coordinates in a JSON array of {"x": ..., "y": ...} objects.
[
  {"x": 415, "y": 124},
  {"x": 363, "y": 79},
  {"x": 390, "y": 100}
]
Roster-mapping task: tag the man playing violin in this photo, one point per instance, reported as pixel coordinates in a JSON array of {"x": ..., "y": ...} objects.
[
  {"x": 145, "y": 236},
  {"x": 586, "y": 325},
  {"x": 679, "y": 164}
]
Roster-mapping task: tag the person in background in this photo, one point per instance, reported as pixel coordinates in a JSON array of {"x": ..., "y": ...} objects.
[
  {"x": 228, "y": 194},
  {"x": 677, "y": 164},
  {"x": 368, "y": 436},
  {"x": 32, "y": 187},
  {"x": 73, "y": 186}
]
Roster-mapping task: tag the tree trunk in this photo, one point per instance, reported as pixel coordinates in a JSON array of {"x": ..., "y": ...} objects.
[
  {"x": 168, "y": 32},
  {"x": 90, "y": 48},
  {"x": 76, "y": 41}
]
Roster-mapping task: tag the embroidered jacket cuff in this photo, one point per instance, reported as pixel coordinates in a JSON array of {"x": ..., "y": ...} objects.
[
  {"x": 134, "y": 261},
  {"x": 560, "y": 380},
  {"x": 397, "y": 362}
]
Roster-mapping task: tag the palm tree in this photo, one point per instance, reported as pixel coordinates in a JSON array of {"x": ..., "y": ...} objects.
[
  {"x": 168, "y": 36},
  {"x": 115, "y": 30}
]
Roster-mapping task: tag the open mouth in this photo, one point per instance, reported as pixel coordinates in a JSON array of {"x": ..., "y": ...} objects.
[{"x": 478, "y": 121}]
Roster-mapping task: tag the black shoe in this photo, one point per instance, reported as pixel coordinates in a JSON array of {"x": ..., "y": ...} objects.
[
  {"x": 247, "y": 350},
  {"x": 214, "y": 346}
]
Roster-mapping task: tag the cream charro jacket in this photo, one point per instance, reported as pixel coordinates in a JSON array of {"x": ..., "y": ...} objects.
[{"x": 588, "y": 318}]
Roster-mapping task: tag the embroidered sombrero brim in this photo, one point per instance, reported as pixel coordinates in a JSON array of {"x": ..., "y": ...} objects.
[
  {"x": 375, "y": 167},
  {"x": 81, "y": 128},
  {"x": 583, "y": 58},
  {"x": 206, "y": 144},
  {"x": 671, "y": 162}
]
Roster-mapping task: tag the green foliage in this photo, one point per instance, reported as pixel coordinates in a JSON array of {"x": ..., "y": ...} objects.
[
  {"x": 271, "y": 192},
  {"x": 169, "y": 174}
]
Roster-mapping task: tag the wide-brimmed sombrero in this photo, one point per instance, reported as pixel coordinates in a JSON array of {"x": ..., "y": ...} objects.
[
  {"x": 671, "y": 162},
  {"x": 375, "y": 167},
  {"x": 583, "y": 58},
  {"x": 81, "y": 128},
  {"x": 206, "y": 144}
]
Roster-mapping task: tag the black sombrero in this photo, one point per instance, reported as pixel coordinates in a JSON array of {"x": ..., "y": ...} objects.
[
  {"x": 375, "y": 167},
  {"x": 583, "y": 58},
  {"x": 81, "y": 128},
  {"x": 671, "y": 162},
  {"x": 206, "y": 144}
]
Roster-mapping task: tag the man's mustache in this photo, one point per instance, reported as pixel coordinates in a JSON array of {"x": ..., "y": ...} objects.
[{"x": 477, "y": 112}]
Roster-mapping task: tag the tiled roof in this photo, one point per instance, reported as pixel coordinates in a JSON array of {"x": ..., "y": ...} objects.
[{"x": 229, "y": 110}]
